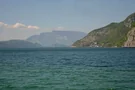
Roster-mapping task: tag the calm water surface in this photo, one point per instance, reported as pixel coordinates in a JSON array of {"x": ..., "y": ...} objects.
[{"x": 67, "y": 69}]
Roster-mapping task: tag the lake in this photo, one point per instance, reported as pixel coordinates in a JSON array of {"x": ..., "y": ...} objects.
[{"x": 67, "y": 69}]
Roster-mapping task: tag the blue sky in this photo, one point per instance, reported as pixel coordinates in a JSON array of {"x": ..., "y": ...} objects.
[{"x": 81, "y": 15}]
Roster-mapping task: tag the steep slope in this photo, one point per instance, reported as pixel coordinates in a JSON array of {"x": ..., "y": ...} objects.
[
  {"x": 131, "y": 39},
  {"x": 57, "y": 38},
  {"x": 112, "y": 35},
  {"x": 18, "y": 44}
]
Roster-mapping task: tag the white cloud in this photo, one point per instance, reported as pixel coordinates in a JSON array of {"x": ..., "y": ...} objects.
[
  {"x": 22, "y": 31},
  {"x": 33, "y": 27},
  {"x": 17, "y": 31},
  {"x": 18, "y": 26},
  {"x": 3, "y": 24}
]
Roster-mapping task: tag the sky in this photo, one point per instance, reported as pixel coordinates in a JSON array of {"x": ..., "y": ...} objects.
[{"x": 20, "y": 19}]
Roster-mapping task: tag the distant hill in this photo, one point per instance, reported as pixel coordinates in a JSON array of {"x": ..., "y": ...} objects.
[
  {"x": 18, "y": 44},
  {"x": 112, "y": 35},
  {"x": 57, "y": 38}
]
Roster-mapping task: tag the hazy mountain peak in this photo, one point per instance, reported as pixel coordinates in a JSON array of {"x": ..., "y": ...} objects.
[{"x": 57, "y": 38}]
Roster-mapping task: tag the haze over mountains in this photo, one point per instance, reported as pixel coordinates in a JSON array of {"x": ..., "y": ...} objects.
[
  {"x": 46, "y": 39},
  {"x": 18, "y": 44},
  {"x": 57, "y": 38}
]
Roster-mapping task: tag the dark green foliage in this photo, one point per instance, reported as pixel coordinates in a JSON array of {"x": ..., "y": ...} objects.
[{"x": 133, "y": 24}]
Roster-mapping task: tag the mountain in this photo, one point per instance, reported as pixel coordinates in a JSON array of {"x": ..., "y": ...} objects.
[
  {"x": 112, "y": 35},
  {"x": 57, "y": 38},
  {"x": 18, "y": 44}
]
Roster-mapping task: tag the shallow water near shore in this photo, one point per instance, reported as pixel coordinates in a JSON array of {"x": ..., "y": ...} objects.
[{"x": 67, "y": 69}]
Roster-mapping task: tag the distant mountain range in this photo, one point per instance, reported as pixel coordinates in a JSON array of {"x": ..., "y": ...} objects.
[
  {"x": 18, "y": 44},
  {"x": 113, "y": 35},
  {"x": 46, "y": 39},
  {"x": 57, "y": 38}
]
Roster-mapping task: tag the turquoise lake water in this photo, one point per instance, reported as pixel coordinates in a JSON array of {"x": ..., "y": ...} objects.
[{"x": 67, "y": 69}]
